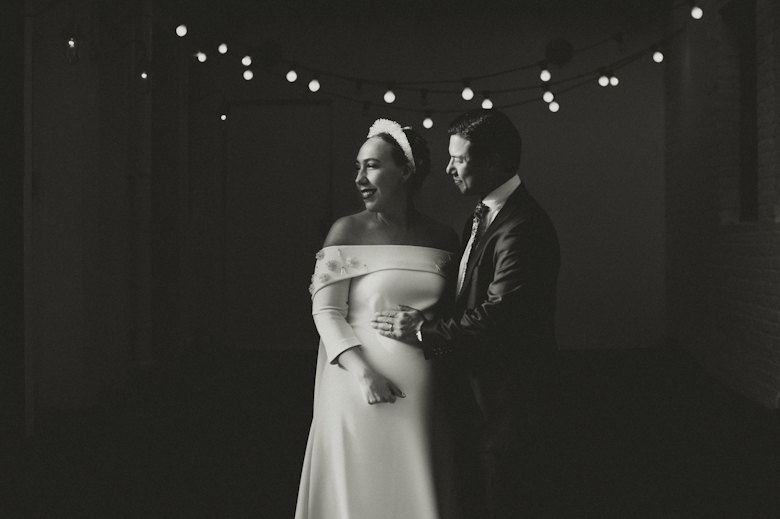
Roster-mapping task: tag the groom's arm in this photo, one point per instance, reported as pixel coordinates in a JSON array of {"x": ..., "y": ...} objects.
[
  {"x": 526, "y": 267},
  {"x": 510, "y": 295}
]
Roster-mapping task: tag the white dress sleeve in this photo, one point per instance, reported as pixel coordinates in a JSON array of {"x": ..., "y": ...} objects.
[{"x": 329, "y": 308}]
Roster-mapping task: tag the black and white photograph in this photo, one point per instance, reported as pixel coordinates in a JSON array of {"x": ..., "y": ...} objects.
[{"x": 398, "y": 259}]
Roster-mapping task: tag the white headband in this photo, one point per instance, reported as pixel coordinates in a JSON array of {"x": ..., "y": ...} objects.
[{"x": 393, "y": 129}]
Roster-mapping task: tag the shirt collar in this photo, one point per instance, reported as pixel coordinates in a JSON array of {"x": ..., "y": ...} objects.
[{"x": 496, "y": 199}]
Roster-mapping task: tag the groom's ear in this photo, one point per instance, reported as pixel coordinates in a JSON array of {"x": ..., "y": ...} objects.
[{"x": 494, "y": 161}]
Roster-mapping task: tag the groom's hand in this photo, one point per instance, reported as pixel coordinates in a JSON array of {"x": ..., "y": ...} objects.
[{"x": 401, "y": 324}]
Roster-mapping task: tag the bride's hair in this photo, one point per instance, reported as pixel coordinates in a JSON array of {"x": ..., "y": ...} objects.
[{"x": 420, "y": 152}]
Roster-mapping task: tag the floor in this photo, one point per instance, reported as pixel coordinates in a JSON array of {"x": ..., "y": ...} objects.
[{"x": 650, "y": 436}]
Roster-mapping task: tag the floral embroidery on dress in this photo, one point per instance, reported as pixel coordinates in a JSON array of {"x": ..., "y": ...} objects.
[
  {"x": 311, "y": 289},
  {"x": 323, "y": 278},
  {"x": 331, "y": 265},
  {"x": 442, "y": 264},
  {"x": 352, "y": 262},
  {"x": 320, "y": 254}
]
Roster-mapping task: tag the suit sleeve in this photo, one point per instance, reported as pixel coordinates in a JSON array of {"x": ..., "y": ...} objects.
[
  {"x": 329, "y": 310},
  {"x": 519, "y": 257}
]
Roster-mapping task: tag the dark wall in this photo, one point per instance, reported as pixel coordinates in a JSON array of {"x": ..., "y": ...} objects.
[
  {"x": 722, "y": 271},
  {"x": 103, "y": 211},
  {"x": 12, "y": 223}
]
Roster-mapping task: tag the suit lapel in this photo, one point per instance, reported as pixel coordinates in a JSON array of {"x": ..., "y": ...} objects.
[{"x": 511, "y": 206}]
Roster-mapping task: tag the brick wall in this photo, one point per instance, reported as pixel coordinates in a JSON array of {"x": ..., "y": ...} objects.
[{"x": 723, "y": 274}]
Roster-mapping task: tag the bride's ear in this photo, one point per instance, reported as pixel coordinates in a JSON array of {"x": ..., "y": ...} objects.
[{"x": 406, "y": 174}]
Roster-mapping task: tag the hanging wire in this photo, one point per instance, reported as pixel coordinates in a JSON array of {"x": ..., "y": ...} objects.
[
  {"x": 561, "y": 85},
  {"x": 409, "y": 85}
]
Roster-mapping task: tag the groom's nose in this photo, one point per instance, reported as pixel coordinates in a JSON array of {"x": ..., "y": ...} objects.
[{"x": 450, "y": 169}]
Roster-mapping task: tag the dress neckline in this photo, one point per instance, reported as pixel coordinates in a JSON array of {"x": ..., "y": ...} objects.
[{"x": 386, "y": 245}]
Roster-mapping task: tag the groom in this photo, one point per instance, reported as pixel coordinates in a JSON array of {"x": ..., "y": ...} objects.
[{"x": 502, "y": 325}]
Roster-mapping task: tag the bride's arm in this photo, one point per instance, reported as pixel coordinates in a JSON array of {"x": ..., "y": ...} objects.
[
  {"x": 376, "y": 387},
  {"x": 329, "y": 310}
]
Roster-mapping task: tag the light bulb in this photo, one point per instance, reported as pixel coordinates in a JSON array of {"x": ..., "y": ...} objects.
[
  {"x": 314, "y": 85},
  {"x": 548, "y": 96},
  {"x": 201, "y": 56},
  {"x": 389, "y": 96},
  {"x": 222, "y": 48},
  {"x": 144, "y": 75},
  {"x": 467, "y": 94},
  {"x": 73, "y": 39},
  {"x": 696, "y": 12},
  {"x": 658, "y": 56},
  {"x": 554, "y": 107},
  {"x": 181, "y": 30},
  {"x": 246, "y": 61},
  {"x": 603, "y": 80},
  {"x": 613, "y": 81},
  {"x": 487, "y": 104},
  {"x": 292, "y": 76},
  {"x": 545, "y": 75},
  {"x": 223, "y": 117},
  {"x": 428, "y": 122},
  {"x": 248, "y": 74}
]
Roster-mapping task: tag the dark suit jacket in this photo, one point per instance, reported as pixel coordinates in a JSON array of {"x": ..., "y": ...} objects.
[{"x": 503, "y": 321}]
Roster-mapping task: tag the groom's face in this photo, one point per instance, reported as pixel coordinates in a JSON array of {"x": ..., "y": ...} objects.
[{"x": 470, "y": 173}]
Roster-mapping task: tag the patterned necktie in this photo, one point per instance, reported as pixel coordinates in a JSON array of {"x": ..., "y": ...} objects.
[{"x": 476, "y": 232}]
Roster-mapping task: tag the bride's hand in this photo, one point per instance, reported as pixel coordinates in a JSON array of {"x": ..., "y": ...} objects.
[{"x": 377, "y": 388}]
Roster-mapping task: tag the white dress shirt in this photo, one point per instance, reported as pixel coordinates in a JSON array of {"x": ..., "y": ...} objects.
[{"x": 495, "y": 200}]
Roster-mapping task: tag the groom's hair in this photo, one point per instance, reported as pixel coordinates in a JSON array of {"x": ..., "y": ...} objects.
[{"x": 490, "y": 131}]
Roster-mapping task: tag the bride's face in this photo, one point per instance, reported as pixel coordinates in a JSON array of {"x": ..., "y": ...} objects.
[{"x": 380, "y": 180}]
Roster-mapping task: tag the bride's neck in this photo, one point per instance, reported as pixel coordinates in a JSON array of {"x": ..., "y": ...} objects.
[{"x": 400, "y": 219}]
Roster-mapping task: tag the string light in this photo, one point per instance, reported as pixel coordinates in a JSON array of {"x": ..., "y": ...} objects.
[
  {"x": 74, "y": 39},
  {"x": 144, "y": 71},
  {"x": 224, "y": 109},
  {"x": 605, "y": 76},
  {"x": 468, "y": 93},
  {"x": 696, "y": 11},
  {"x": 428, "y": 121},
  {"x": 544, "y": 75},
  {"x": 71, "y": 50},
  {"x": 487, "y": 104},
  {"x": 389, "y": 96}
]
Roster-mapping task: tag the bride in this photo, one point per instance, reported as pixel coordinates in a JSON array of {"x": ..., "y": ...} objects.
[{"x": 379, "y": 446}]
